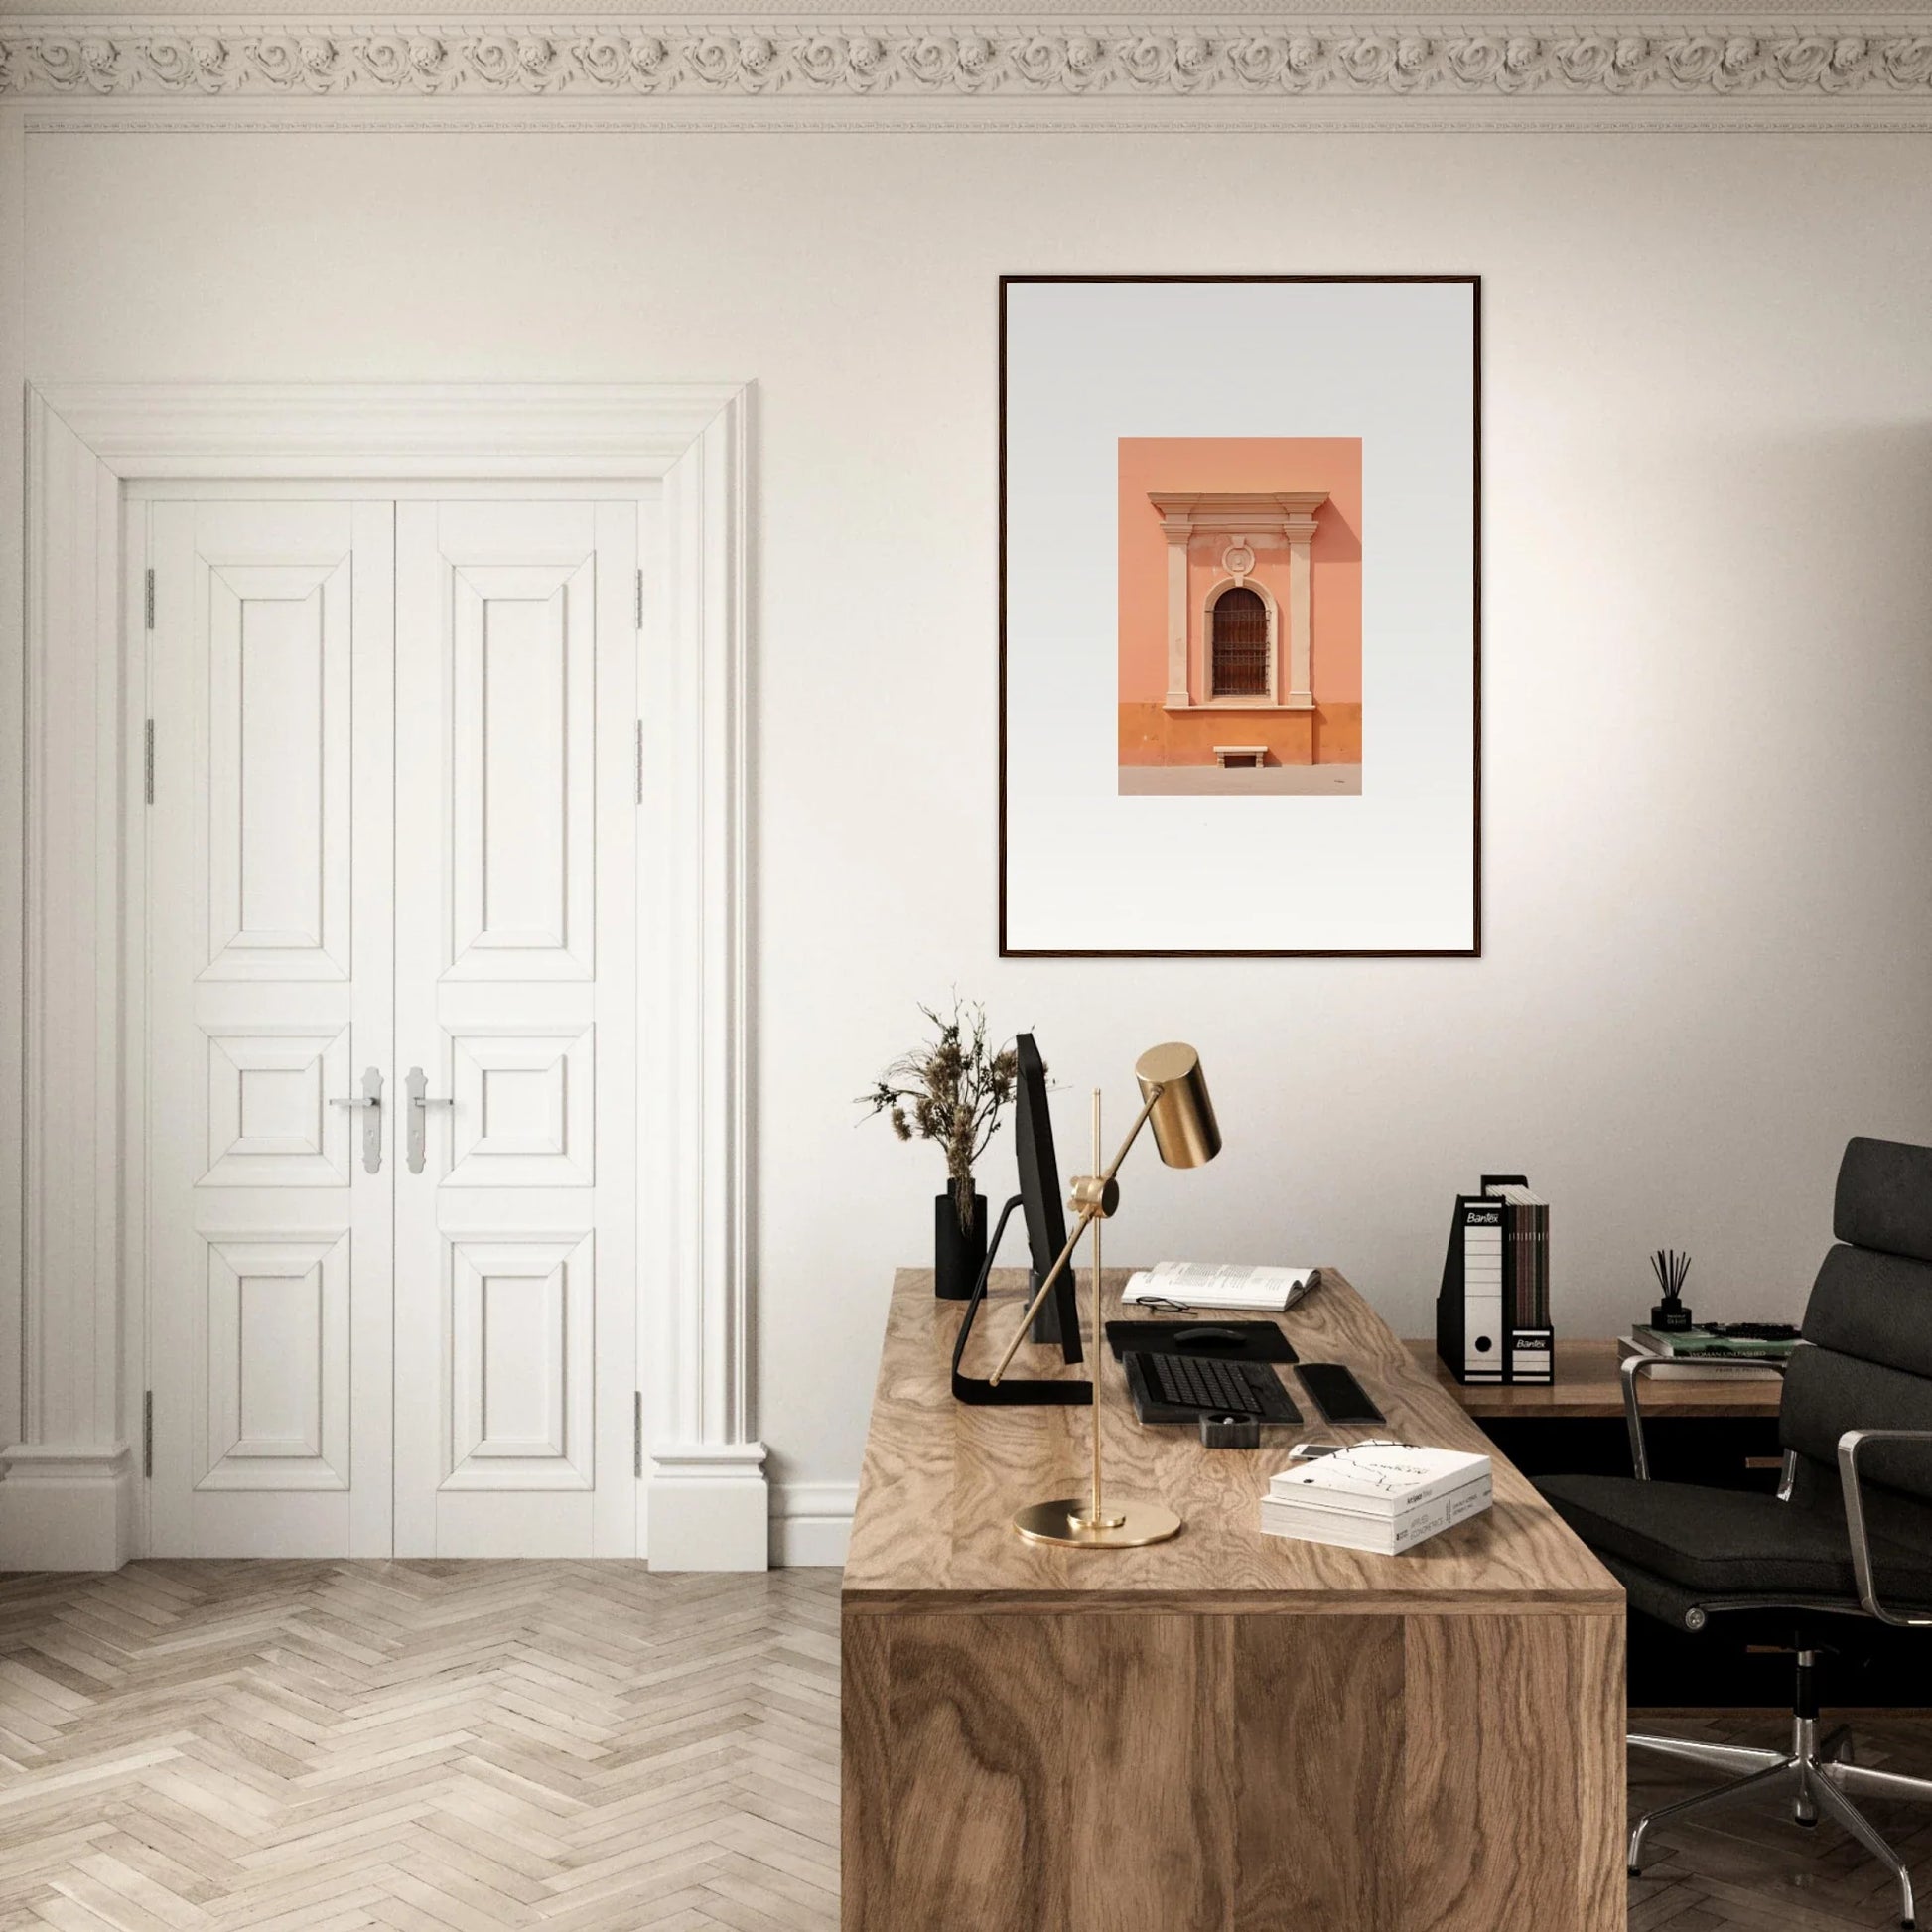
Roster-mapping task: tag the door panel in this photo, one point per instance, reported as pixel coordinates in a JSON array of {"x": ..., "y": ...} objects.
[
  {"x": 521, "y": 1336},
  {"x": 269, "y": 897},
  {"x": 525, "y": 1107},
  {"x": 277, "y": 1414},
  {"x": 515, "y": 904},
  {"x": 278, "y": 719},
  {"x": 522, "y": 838}
]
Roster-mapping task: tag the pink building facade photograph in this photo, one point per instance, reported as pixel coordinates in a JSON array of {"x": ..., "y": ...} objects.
[{"x": 1240, "y": 615}]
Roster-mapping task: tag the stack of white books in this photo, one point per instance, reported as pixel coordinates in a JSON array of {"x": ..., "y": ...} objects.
[
  {"x": 1217, "y": 1284},
  {"x": 1380, "y": 1496}
]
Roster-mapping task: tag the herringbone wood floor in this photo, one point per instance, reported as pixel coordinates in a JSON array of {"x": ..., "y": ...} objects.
[
  {"x": 459, "y": 1747},
  {"x": 320, "y": 1747}
]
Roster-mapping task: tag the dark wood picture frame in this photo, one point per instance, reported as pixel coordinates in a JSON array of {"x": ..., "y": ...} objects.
[{"x": 1475, "y": 949}]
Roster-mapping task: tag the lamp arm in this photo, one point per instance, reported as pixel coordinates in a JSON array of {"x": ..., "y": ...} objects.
[
  {"x": 1133, "y": 1134},
  {"x": 1088, "y": 1215}
]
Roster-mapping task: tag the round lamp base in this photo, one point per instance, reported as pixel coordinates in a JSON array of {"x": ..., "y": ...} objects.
[{"x": 1064, "y": 1521}]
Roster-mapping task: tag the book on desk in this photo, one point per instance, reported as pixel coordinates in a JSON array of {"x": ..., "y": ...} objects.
[
  {"x": 1381, "y": 1496},
  {"x": 1745, "y": 1350}
]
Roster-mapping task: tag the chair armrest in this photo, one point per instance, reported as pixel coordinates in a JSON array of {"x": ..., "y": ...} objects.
[
  {"x": 1849, "y": 1446},
  {"x": 1634, "y": 1367}
]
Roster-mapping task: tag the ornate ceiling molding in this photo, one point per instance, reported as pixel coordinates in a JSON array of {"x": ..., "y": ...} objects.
[{"x": 1883, "y": 72}]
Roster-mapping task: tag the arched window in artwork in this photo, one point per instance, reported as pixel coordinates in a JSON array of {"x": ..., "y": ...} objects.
[{"x": 1238, "y": 644}]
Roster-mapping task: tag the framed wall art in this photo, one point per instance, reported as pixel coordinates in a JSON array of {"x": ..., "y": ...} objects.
[{"x": 1239, "y": 615}]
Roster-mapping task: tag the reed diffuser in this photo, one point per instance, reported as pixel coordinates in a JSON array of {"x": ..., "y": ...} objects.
[{"x": 1670, "y": 1267}]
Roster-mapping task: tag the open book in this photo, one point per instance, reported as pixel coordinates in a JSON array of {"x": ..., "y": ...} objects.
[{"x": 1211, "y": 1284}]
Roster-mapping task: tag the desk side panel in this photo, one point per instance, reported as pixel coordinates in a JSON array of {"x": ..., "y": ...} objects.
[
  {"x": 955, "y": 1774},
  {"x": 865, "y": 1769},
  {"x": 1514, "y": 1774},
  {"x": 1161, "y": 1772},
  {"x": 1317, "y": 1735}
]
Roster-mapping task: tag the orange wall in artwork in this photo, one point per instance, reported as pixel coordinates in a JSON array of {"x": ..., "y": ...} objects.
[{"x": 1242, "y": 463}]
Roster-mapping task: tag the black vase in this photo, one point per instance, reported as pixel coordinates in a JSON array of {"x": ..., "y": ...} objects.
[{"x": 958, "y": 1254}]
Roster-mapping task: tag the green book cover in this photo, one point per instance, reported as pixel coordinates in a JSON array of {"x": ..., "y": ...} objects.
[{"x": 1701, "y": 1341}]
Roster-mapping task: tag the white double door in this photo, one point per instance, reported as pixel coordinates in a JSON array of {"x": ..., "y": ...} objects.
[{"x": 390, "y": 859}]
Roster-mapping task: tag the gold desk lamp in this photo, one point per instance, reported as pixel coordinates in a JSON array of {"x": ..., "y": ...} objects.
[{"x": 1175, "y": 1100}]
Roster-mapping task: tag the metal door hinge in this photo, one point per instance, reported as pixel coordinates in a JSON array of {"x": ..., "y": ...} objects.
[
  {"x": 640, "y": 760},
  {"x": 147, "y": 1434},
  {"x": 640, "y": 598},
  {"x": 150, "y": 600},
  {"x": 147, "y": 762},
  {"x": 637, "y": 1434}
]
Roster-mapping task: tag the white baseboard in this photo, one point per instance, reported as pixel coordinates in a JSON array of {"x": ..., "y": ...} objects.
[
  {"x": 811, "y": 1523},
  {"x": 710, "y": 1508},
  {"x": 74, "y": 1510},
  {"x": 64, "y": 1508}
]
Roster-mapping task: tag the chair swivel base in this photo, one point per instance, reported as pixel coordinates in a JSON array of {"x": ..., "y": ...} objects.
[{"x": 1817, "y": 1775}]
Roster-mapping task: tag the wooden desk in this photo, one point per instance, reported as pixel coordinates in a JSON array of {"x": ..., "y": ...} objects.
[
  {"x": 1227, "y": 1731},
  {"x": 1588, "y": 1386}
]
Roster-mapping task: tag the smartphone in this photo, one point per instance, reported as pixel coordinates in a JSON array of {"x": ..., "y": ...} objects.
[{"x": 1337, "y": 1393}]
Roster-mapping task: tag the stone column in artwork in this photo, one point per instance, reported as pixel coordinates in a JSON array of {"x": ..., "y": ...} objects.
[
  {"x": 1301, "y": 535},
  {"x": 1177, "y": 530}
]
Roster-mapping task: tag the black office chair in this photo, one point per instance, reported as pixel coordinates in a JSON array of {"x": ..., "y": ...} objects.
[{"x": 1849, "y": 1536}]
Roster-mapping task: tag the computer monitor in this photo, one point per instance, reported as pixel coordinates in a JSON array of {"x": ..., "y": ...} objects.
[
  {"x": 1038, "y": 1201},
  {"x": 1039, "y": 1196}
]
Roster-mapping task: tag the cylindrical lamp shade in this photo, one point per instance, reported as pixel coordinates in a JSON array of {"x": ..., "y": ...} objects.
[{"x": 1184, "y": 1128}]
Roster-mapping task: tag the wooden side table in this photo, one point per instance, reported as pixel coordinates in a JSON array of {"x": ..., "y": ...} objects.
[{"x": 1589, "y": 1387}]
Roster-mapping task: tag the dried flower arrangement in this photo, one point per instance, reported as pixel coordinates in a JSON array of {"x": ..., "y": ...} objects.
[{"x": 951, "y": 1090}]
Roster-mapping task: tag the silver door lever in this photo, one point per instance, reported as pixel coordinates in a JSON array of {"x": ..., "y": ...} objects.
[
  {"x": 420, "y": 1102},
  {"x": 369, "y": 1098}
]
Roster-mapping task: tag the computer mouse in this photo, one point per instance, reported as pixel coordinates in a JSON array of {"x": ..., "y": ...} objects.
[{"x": 1207, "y": 1337}]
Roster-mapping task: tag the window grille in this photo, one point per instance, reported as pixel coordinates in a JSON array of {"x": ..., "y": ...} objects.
[{"x": 1239, "y": 646}]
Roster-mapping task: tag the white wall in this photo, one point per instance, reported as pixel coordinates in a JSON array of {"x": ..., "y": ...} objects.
[{"x": 1707, "y": 643}]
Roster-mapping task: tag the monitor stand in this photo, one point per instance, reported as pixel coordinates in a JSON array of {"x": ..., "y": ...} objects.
[
  {"x": 1010, "y": 1390},
  {"x": 1047, "y": 1324}
]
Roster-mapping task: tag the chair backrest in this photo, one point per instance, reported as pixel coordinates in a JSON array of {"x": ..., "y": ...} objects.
[{"x": 1869, "y": 1325}]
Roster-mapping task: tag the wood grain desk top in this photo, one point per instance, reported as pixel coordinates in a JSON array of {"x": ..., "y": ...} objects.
[
  {"x": 941, "y": 1480},
  {"x": 1588, "y": 1385}
]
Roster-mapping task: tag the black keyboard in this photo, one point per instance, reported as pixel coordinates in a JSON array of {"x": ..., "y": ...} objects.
[{"x": 1212, "y": 1387}]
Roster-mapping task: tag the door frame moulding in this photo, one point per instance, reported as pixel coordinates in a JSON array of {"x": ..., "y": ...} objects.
[{"x": 68, "y": 1483}]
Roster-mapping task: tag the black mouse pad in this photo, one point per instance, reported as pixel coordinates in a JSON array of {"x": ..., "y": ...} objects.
[{"x": 1224, "y": 1341}]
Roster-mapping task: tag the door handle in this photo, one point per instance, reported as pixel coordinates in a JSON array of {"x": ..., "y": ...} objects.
[
  {"x": 420, "y": 1102},
  {"x": 369, "y": 1098}
]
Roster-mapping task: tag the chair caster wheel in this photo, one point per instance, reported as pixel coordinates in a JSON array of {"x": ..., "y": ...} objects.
[
  {"x": 1633, "y": 1872},
  {"x": 1810, "y": 1824}
]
